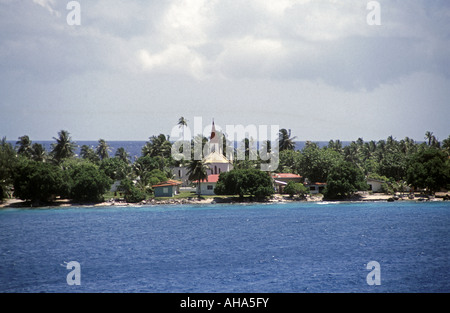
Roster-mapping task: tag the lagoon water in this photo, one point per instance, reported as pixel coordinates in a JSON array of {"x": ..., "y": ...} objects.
[{"x": 290, "y": 247}]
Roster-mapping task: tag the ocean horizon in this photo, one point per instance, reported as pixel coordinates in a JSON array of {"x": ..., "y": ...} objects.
[{"x": 134, "y": 147}]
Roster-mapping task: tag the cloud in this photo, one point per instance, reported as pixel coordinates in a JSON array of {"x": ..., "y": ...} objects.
[
  {"x": 176, "y": 59},
  {"x": 324, "y": 40},
  {"x": 321, "y": 40},
  {"x": 48, "y": 4}
]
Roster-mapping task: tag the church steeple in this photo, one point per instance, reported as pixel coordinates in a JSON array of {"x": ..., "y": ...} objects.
[{"x": 214, "y": 142}]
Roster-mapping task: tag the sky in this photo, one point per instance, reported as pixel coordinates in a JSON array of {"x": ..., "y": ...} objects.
[{"x": 132, "y": 68}]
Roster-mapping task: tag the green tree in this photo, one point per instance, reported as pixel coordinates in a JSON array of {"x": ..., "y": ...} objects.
[
  {"x": 38, "y": 181},
  {"x": 24, "y": 147},
  {"x": 344, "y": 180},
  {"x": 293, "y": 188},
  {"x": 89, "y": 154},
  {"x": 64, "y": 147},
  {"x": 286, "y": 142},
  {"x": 429, "y": 169},
  {"x": 38, "y": 152},
  {"x": 335, "y": 145},
  {"x": 197, "y": 171},
  {"x": 251, "y": 182},
  {"x": 158, "y": 146},
  {"x": 288, "y": 161},
  {"x": 131, "y": 192},
  {"x": 122, "y": 155},
  {"x": 103, "y": 149},
  {"x": 182, "y": 123},
  {"x": 315, "y": 163},
  {"x": 114, "y": 168},
  {"x": 87, "y": 182},
  {"x": 429, "y": 137},
  {"x": 8, "y": 162},
  {"x": 145, "y": 164},
  {"x": 446, "y": 145}
]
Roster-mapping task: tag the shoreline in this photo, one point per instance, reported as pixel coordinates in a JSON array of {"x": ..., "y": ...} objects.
[{"x": 277, "y": 198}]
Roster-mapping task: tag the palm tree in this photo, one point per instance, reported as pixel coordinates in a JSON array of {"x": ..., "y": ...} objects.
[
  {"x": 103, "y": 149},
  {"x": 123, "y": 155},
  {"x": 182, "y": 123},
  {"x": 446, "y": 145},
  {"x": 335, "y": 145},
  {"x": 24, "y": 146},
  {"x": 429, "y": 136},
  {"x": 197, "y": 171},
  {"x": 351, "y": 152},
  {"x": 286, "y": 142},
  {"x": 201, "y": 142},
  {"x": 158, "y": 146},
  {"x": 38, "y": 152},
  {"x": 88, "y": 153},
  {"x": 64, "y": 146}
]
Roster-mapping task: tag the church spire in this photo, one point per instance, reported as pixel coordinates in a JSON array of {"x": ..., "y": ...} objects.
[{"x": 214, "y": 142}]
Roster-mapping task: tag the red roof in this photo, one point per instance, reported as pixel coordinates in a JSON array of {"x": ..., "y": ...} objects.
[
  {"x": 285, "y": 175},
  {"x": 211, "y": 179},
  {"x": 170, "y": 182}
]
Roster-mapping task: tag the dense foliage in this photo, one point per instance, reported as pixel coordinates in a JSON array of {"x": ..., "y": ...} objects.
[
  {"x": 87, "y": 182},
  {"x": 243, "y": 182},
  {"x": 38, "y": 181},
  {"x": 293, "y": 189},
  {"x": 421, "y": 165},
  {"x": 430, "y": 169},
  {"x": 345, "y": 178},
  {"x": 28, "y": 171}
]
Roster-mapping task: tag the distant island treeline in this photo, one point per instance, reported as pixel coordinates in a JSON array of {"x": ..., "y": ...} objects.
[
  {"x": 134, "y": 147},
  {"x": 84, "y": 171}
]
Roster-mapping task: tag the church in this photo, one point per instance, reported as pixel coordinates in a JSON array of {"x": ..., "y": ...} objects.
[{"x": 216, "y": 161}]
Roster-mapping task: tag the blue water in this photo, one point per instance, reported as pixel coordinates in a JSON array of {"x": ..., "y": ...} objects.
[{"x": 294, "y": 247}]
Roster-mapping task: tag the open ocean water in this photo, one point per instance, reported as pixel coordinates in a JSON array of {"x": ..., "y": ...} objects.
[{"x": 289, "y": 247}]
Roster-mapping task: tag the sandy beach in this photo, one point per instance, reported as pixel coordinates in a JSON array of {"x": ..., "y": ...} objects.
[{"x": 360, "y": 197}]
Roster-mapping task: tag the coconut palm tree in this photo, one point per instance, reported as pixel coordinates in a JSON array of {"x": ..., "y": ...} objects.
[
  {"x": 38, "y": 152},
  {"x": 182, "y": 123},
  {"x": 202, "y": 144},
  {"x": 158, "y": 146},
  {"x": 24, "y": 146},
  {"x": 123, "y": 155},
  {"x": 429, "y": 137},
  {"x": 64, "y": 146},
  {"x": 103, "y": 149},
  {"x": 286, "y": 142},
  {"x": 446, "y": 145},
  {"x": 88, "y": 153},
  {"x": 197, "y": 171},
  {"x": 335, "y": 145}
]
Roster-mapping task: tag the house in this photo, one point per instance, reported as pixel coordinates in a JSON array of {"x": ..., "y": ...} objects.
[
  {"x": 207, "y": 186},
  {"x": 375, "y": 185},
  {"x": 280, "y": 180},
  {"x": 315, "y": 188},
  {"x": 167, "y": 189}
]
